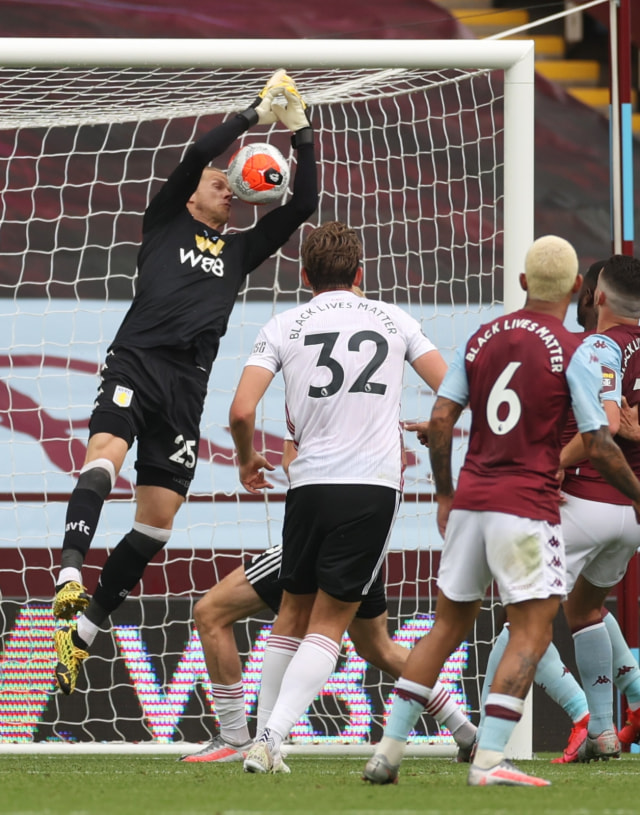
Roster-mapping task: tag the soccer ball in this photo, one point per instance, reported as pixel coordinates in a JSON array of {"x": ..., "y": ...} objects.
[{"x": 258, "y": 173}]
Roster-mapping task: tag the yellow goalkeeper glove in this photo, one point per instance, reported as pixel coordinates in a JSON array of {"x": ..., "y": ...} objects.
[
  {"x": 294, "y": 115},
  {"x": 260, "y": 111}
]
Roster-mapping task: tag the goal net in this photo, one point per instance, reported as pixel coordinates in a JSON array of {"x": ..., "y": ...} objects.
[{"x": 425, "y": 148}]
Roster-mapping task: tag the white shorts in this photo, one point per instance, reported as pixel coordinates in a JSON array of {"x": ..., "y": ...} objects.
[
  {"x": 524, "y": 557},
  {"x": 600, "y": 539}
]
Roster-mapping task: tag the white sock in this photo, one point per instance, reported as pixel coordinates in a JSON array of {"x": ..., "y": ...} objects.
[
  {"x": 87, "y": 631},
  {"x": 449, "y": 714},
  {"x": 307, "y": 674},
  {"x": 229, "y": 704},
  {"x": 67, "y": 574},
  {"x": 391, "y": 749},
  {"x": 277, "y": 655}
]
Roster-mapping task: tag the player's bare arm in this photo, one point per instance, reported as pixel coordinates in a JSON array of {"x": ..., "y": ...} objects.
[
  {"x": 444, "y": 415},
  {"x": 242, "y": 422},
  {"x": 431, "y": 367},
  {"x": 575, "y": 450},
  {"x": 607, "y": 458},
  {"x": 629, "y": 423}
]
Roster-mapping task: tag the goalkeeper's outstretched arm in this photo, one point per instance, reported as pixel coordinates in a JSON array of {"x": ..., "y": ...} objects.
[
  {"x": 275, "y": 228},
  {"x": 176, "y": 191}
]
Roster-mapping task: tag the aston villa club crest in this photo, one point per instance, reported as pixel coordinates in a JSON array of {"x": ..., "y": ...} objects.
[{"x": 122, "y": 396}]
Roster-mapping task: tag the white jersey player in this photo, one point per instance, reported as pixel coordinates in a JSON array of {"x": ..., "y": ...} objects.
[{"x": 342, "y": 359}]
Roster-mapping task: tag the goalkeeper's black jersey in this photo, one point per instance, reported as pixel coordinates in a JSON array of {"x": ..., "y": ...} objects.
[{"x": 188, "y": 273}]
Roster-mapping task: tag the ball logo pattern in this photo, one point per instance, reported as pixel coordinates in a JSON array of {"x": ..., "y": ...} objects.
[{"x": 258, "y": 173}]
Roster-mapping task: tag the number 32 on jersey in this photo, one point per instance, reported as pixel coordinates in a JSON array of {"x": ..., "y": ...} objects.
[{"x": 363, "y": 382}]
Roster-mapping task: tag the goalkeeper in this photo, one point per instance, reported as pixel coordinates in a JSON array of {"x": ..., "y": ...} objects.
[{"x": 189, "y": 274}]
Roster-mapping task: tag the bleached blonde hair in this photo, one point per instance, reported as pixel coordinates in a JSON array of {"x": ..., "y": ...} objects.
[{"x": 551, "y": 268}]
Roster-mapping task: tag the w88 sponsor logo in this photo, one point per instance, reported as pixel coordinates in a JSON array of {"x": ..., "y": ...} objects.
[{"x": 208, "y": 264}]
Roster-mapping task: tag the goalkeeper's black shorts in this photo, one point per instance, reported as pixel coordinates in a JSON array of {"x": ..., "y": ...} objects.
[{"x": 154, "y": 396}]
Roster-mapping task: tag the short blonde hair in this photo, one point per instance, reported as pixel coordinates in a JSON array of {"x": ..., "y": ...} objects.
[{"x": 551, "y": 268}]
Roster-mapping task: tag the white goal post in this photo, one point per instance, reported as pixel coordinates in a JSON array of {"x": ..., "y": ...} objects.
[{"x": 426, "y": 147}]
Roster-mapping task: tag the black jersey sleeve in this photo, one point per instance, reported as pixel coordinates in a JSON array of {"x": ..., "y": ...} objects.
[
  {"x": 275, "y": 228},
  {"x": 172, "y": 197}
]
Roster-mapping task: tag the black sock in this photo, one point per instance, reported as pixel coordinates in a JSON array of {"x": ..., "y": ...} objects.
[
  {"x": 83, "y": 513},
  {"x": 122, "y": 571}
]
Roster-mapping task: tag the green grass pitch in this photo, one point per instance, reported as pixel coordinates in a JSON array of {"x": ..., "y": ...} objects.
[{"x": 137, "y": 785}]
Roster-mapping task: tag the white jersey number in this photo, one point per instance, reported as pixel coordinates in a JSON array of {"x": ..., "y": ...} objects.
[
  {"x": 363, "y": 382},
  {"x": 501, "y": 395},
  {"x": 185, "y": 454}
]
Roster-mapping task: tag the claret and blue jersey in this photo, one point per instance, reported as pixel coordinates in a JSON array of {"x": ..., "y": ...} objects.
[{"x": 520, "y": 374}]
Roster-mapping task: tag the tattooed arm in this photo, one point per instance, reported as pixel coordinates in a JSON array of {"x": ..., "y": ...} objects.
[
  {"x": 444, "y": 415},
  {"x": 607, "y": 458}
]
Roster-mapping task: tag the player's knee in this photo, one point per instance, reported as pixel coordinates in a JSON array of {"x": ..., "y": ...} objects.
[
  {"x": 449, "y": 631},
  {"x": 202, "y": 615},
  {"x": 211, "y": 614},
  {"x": 157, "y": 517}
]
